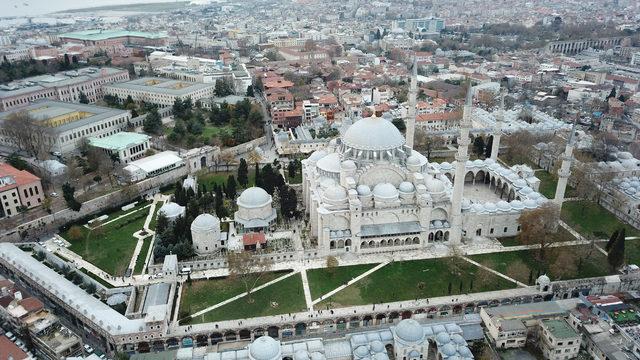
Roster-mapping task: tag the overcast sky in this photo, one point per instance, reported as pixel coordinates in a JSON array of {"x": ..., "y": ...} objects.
[{"x": 39, "y": 7}]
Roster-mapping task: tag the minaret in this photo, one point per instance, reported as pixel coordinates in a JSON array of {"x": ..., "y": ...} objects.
[
  {"x": 461, "y": 161},
  {"x": 565, "y": 168},
  {"x": 497, "y": 130},
  {"x": 411, "y": 113}
]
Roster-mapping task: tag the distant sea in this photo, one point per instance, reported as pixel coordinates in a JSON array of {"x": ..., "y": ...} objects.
[{"x": 21, "y": 8}]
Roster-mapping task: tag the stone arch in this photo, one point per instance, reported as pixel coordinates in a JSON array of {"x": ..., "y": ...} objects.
[
  {"x": 340, "y": 244},
  {"x": 332, "y": 244},
  {"x": 230, "y": 336},
  {"x": 347, "y": 242},
  {"x": 354, "y": 322},
  {"x": 416, "y": 240},
  {"x": 394, "y": 315},
  {"x": 364, "y": 245},
  {"x": 439, "y": 214},
  {"x": 158, "y": 345},
  {"x": 381, "y": 319},
  {"x": 202, "y": 340},
  {"x": 406, "y": 314},
  {"x": 143, "y": 347},
  {"x": 439, "y": 236},
  {"x": 511, "y": 196},
  {"x": 446, "y": 236},
  {"x": 479, "y": 178},
  {"x": 258, "y": 333},
  {"x": 245, "y": 334},
  {"x": 468, "y": 177},
  {"x": 492, "y": 184},
  {"x": 448, "y": 175},
  {"x": 372, "y": 243},
  {"x": 431, "y": 237},
  {"x": 367, "y": 320},
  {"x": 216, "y": 337},
  {"x": 173, "y": 342},
  {"x": 301, "y": 328}
]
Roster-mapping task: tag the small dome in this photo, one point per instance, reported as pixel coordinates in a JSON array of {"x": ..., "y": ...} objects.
[
  {"x": 317, "y": 155},
  {"x": 513, "y": 177},
  {"x": 317, "y": 356},
  {"x": 406, "y": 187},
  {"x": 327, "y": 183},
  {"x": 361, "y": 351},
  {"x": 489, "y": 161},
  {"x": 520, "y": 183},
  {"x": 534, "y": 195},
  {"x": 437, "y": 223},
  {"x": 503, "y": 205},
  {"x": 446, "y": 166},
  {"x": 530, "y": 204},
  {"x": 526, "y": 190},
  {"x": 466, "y": 204},
  {"x": 377, "y": 346},
  {"x": 335, "y": 193},
  {"x": 448, "y": 350},
  {"x": 385, "y": 191},
  {"x": 464, "y": 351},
  {"x": 171, "y": 210},
  {"x": 348, "y": 165},
  {"x": 517, "y": 205},
  {"x": 254, "y": 197},
  {"x": 478, "y": 162},
  {"x": 443, "y": 338},
  {"x": 490, "y": 207},
  {"x": 264, "y": 348},
  {"x": 301, "y": 355},
  {"x": 456, "y": 338},
  {"x": 477, "y": 208},
  {"x": 205, "y": 222},
  {"x": 543, "y": 280},
  {"x": 413, "y": 160},
  {"x": 380, "y": 356},
  {"x": 409, "y": 330},
  {"x": 541, "y": 200},
  {"x": 363, "y": 190},
  {"x": 434, "y": 185}
]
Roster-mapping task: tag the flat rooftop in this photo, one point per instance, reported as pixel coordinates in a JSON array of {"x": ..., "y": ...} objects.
[
  {"x": 63, "y": 116},
  {"x": 162, "y": 86},
  {"x": 559, "y": 329},
  {"x": 526, "y": 310},
  {"x": 119, "y": 141},
  {"x": 98, "y": 34},
  {"x": 65, "y": 78}
]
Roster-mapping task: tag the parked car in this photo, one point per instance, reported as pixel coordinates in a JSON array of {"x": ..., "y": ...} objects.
[{"x": 88, "y": 349}]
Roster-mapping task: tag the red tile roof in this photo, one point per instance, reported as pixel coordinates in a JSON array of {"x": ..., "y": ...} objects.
[
  {"x": 21, "y": 177},
  {"x": 9, "y": 350},
  {"x": 32, "y": 304},
  {"x": 253, "y": 238}
]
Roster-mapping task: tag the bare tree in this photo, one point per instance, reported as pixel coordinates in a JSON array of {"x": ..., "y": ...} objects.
[
  {"x": 227, "y": 159},
  {"x": 29, "y": 134},
  {"x": 248, "y": 268},
  {"x": 102, "y": 163},
  {"x": 537, "y": 224},
  {"x": 425, "y": 142}
]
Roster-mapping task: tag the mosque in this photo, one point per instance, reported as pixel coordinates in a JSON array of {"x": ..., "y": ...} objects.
[
  {"x": 407, "y": 340},
  {"x": 369, "y": 191}
]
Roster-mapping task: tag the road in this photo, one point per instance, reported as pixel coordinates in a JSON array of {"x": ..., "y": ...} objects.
[{"x": 268, "y": 133}]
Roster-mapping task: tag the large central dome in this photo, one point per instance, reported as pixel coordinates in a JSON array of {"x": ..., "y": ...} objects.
[{"x": 373, "y": 134}]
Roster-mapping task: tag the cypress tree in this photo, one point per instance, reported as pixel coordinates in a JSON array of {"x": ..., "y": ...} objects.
[
  {"x": 243, "y": 173},
  {"x": 615, "y": 256},
  {"x": 612, "y": 239}
]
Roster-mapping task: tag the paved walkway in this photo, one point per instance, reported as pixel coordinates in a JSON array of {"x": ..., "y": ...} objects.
[
  {"x": 148, "y": 233},
  {"x": 355, "y": 279},
  {"x": 307, "y": 292},
  {"x": 494, "y": 272},
  {"x": 239, "y": 296}
]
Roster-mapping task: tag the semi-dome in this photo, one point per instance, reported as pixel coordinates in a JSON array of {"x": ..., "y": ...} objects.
[
  {"x": 317, "y": 155},
  {"x": 264, "y": 348},
  {"x": 434, "y": 185},
  {"x": 385, "y": 191},
  {"x": 254, "y": 197},
  {"x": 443, "y": 338},
  {"x": 406, "y": 187},
  {"x": 409, "y": 330},
  {"x": 348, "y": 165},
  {"x": 171, "y": 210},
  {"x": 448, "y": 350},
  {"x": 205, "y": 222},
  {"x": 543, "y": 280},
  {"x": 373, "y": 134},
  {"x": 330, "y": 163},
  {"x": 363, "y": 190},
  {"x": 335, "y": 193}
]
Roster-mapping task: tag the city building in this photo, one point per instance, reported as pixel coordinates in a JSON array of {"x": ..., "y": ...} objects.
[
  {"x": 160, "y": 91},
  {"x": 18, "y": 189},
  {"x": 9, "y": 350},
  {"x": 126, "y": 146},
  {"x": 420, "y": 27},
  {"x": 64, "y": 86},
  {"x": 206, "y": 235},
  {"x": 559, "y": 340},
  {"x": 67, "y": 124},
  {"x": 101, "y": 37}
]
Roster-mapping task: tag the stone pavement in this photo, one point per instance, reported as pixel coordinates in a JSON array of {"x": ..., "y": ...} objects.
[{"x": 307, "y": 291}]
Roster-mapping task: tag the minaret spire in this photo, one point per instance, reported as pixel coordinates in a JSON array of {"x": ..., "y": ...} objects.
[
  {"x": 461, "y": 161},
  {"x": 411, "y": 113},
  {"x": 565, "y": 168},
  {"x": 497, "y": 130}
]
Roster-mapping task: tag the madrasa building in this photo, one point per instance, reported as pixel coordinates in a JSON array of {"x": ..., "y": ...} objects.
[{"x": 369, "y": 191}]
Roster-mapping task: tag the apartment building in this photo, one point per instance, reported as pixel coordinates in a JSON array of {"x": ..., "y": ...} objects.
[
  {"x": 18, "y": 188},
  {"x": 558, "y": 340},
  {"x": 160, "y": 91},
  {"x": 126, "y": 146}
]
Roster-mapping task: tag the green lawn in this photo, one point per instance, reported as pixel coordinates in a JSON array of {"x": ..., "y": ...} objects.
[
  {"x": 201, "y": 294},
  {"x": 408, "y": 280},
  {"x": 631, "y": 251},
  {"x": 142, "y": 256},
  {"x": 115, "y": 214},
  {"x": 220, "y": 178},
  {"x": 296, "y": 179},
  {"x": 154, "y": 217},
  {"x": 548, "y": 184},
  {"x": 97, "y": 278},
  {"x": 569, "y": 262},
  {"x": 509, "y": 241},
  {"x": 111, "y": 246},
  {"x": 321, "y": 281},
  {"x": 286, "y": 296},
  {"x": 215, "y": 131},
  {"x": 592, "y": 220}
]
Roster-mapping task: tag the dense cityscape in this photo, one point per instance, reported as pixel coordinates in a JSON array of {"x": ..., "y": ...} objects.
[{"x": 320, "y": 180}]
